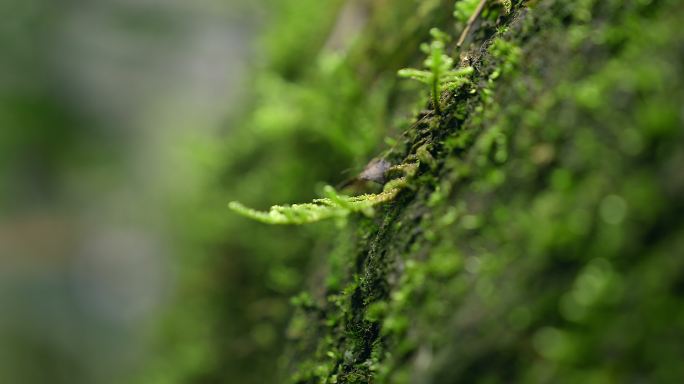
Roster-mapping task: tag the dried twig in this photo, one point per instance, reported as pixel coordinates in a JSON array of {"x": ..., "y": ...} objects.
[{"x": 471, "y": 22}]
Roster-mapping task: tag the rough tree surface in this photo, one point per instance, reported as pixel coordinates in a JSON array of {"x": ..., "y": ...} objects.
[{"x": 546, "y": 241}]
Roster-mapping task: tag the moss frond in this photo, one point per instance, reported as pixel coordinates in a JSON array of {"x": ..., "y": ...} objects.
[
  {"x": 439, "y": 74},
  {"x": 333, "y": 205}
]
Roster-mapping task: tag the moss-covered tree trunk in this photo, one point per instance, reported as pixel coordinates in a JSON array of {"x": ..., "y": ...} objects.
[{"x": 546, "y": 242}]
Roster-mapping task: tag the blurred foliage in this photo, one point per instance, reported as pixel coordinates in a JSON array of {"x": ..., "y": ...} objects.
[{"x": 31, "y": 157}]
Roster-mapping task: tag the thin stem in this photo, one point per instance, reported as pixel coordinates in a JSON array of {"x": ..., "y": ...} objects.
[
  {"x": 435, "y": 93},
  {"x": 471, "y": 22}
]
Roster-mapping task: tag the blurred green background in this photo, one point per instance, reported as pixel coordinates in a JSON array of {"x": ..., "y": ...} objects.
[{"x": 122, "y": 138}]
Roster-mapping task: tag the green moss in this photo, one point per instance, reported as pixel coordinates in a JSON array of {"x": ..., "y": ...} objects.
[
  {"x": 535, "y": 245},
  {"x": 440, "y": 75}
]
